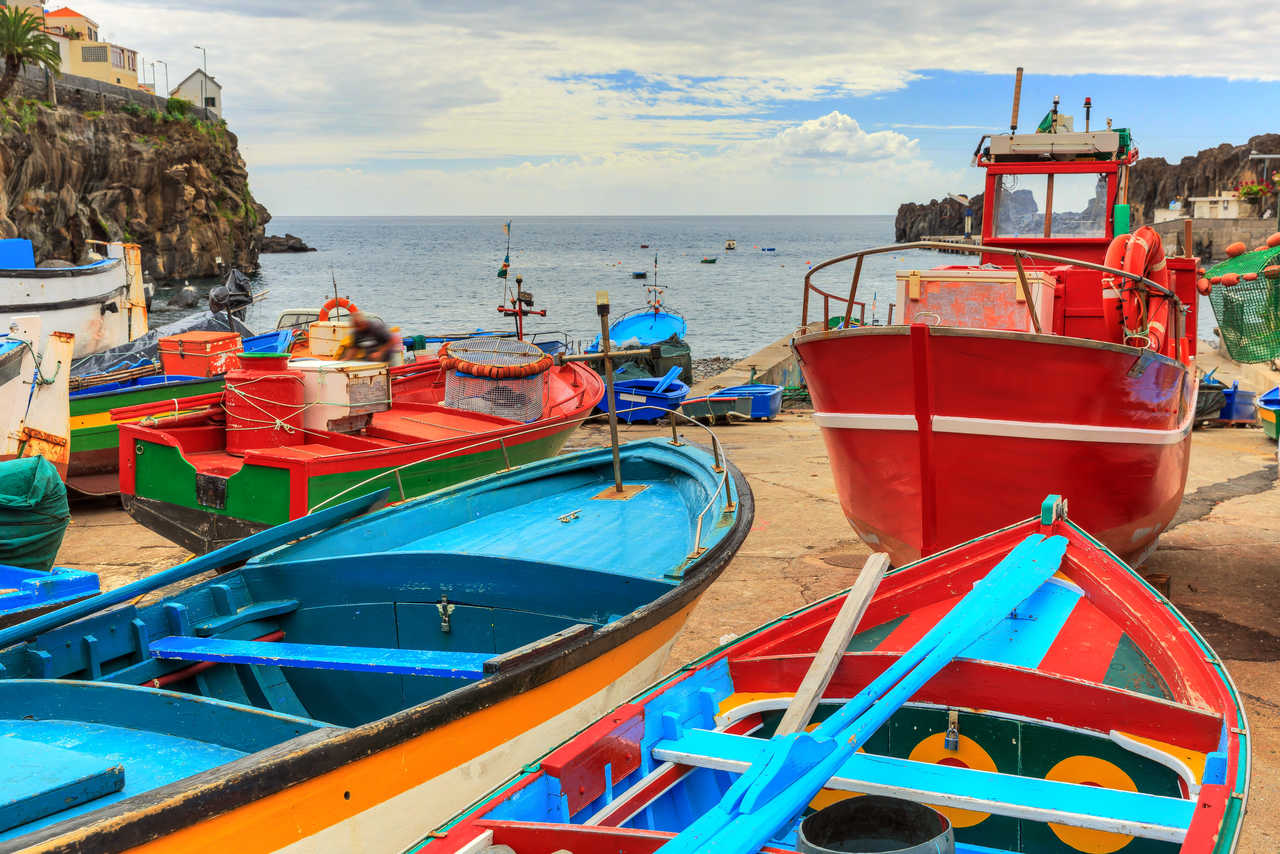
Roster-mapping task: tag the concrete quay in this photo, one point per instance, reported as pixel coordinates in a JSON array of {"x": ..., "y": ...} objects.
[{"x": 1221, "y": 553}]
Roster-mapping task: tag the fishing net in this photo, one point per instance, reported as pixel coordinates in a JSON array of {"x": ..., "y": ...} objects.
[
  {"x": 1248, "y": 311},
  {"x": 495, "y": 376}
]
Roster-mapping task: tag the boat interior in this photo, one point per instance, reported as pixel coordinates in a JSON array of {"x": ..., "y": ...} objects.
[
  {"x": 1079, "y": 723},
  {"x": 350, "y": 625}
]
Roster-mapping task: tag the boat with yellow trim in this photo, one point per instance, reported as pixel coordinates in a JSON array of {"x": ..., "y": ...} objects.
[{"x": 338, "y": 692}]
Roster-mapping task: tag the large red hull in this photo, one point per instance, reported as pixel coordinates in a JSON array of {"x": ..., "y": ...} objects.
[{"x": 939, "y": 434}]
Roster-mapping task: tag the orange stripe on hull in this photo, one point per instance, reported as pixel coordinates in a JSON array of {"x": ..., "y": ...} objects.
[{"x": 311, "y": 806}]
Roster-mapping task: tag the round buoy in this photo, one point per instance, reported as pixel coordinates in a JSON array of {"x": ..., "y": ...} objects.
[
  {"x": 1216, "y": 280},
  {"x": 1235, "y": 249},
  {"x": 1249, "y": 277},
  {"x": 1272, "y": 272},
  {"x": 1274, "y": 240},
  {"x": 1199, "y": 271},
  {"x": 1203, "y": 286},
  {"x": 1262, "y": 247},
  {"x": 1230, "y": 279}
]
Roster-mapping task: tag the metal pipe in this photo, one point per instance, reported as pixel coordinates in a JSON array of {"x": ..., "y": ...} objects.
[
  {"x": 602, "y": 309},
  {"x": 853, "y": 292},
  {"x": 653, "y": 352}
]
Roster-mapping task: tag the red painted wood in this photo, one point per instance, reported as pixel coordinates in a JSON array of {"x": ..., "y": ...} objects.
[
  {"x": 535, "y": 838},
  {"x": 1085, "y": 645},
  {"x": 1002, "y": 688},
  {"x": 580, "y": 765}
]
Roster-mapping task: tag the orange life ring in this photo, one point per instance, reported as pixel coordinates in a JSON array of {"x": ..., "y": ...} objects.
[
  {"x": 1146, "y": 314},
  {"x": 1112, "y": 316},
  {"x": 493, "y": 372},
  {"x": 336, "y": 302}
]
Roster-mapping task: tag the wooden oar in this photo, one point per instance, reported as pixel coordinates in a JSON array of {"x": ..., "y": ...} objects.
[
  {"x": 171, "y": 406},
  {"x": 667, "y": 379},
  {"x": 768, "y": 796},
  {"x": 834, "y": 645},
  {"x": 219, "y": 559}
]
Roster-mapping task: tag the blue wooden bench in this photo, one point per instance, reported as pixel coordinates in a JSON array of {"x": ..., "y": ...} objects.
[
  {"x": 1133, "y": 813},
  {"x": 405, "y": 662}
]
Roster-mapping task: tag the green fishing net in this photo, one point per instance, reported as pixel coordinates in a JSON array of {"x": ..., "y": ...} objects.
[{"x": 1248, "y": 312}]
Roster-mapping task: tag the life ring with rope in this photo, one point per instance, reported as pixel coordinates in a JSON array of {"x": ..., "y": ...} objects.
[
  {"x": 336, "y": 302},
  {"x": 1144, "y": 314},
  {"x": 1112, "y": 309}
]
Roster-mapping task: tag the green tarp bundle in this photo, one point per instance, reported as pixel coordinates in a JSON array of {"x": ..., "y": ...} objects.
[
  {"x": 673, "y": 352},
  {"x": 1248, "y": 312},
  {"x": 33, "y": 513}
]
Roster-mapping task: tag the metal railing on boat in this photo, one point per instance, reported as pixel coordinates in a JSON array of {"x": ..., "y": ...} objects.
[{"x": 1018, "y": 255}]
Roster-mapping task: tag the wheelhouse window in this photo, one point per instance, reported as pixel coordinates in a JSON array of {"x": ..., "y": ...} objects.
[{"x": 1076, "y": 204}]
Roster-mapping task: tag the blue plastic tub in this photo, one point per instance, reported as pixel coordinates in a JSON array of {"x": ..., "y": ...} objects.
[
  {"x": 1239, "y": 405},
  {"x": 635, "y": 400},
  {"x": 766, "y": 400}
]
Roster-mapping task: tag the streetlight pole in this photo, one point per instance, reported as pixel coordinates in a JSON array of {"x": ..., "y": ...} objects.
[
  {"x": 166, "y": 76},
  {"x": 204, "y": 67}
]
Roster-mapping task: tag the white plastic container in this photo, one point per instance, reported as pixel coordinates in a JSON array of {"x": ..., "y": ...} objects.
[
  {"x": 342, "y": 396},
  {"x": 324, "y": 337}
]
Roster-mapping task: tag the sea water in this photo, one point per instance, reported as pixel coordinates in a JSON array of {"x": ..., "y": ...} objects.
[{"x": 439, "y": 274}]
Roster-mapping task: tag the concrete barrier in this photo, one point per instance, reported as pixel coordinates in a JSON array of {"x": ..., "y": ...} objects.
[{"x": 774, "y": 364}]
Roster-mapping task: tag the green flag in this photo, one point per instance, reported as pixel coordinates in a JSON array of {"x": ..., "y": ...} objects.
[{"x": 506, "y": 265}]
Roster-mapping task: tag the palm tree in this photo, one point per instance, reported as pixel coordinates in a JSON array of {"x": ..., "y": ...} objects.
[{"x": 23, "y": 42}]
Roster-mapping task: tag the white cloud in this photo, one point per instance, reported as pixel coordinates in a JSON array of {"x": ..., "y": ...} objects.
[{"x": 836, "y": 136}]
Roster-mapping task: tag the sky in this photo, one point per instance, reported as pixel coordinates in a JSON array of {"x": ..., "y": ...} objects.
[{"x": 498, "y": 107}]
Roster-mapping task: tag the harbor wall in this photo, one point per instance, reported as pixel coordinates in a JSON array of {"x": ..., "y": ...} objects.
[
  {"x": 1211, "y": 237},
  {"x": 774, "y": 364}
]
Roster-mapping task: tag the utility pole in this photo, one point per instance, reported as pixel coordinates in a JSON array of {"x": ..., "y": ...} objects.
[
  {"x": 166, "y": 77},
  {"x": 204, "y": 67},
  {"x": 1253, "y": 155}
]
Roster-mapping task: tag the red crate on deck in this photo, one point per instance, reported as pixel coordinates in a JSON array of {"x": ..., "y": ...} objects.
[{"x": 200, "y": 354}]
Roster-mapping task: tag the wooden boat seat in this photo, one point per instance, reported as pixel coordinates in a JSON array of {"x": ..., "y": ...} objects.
[
  {"x": 1133, "y": 813},
  {"x": 309, "y": 451},
  {"x": 405, "y": 662},
  {"x": 40, "y": 779},
  {"x": 427, "y": 423},
  {"x": 215, "y": 462}
]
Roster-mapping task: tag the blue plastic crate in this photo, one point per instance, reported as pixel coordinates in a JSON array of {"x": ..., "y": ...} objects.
[{"x": 1239, "y": 405}]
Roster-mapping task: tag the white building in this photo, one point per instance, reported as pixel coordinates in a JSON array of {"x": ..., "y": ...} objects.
[
  {"x": 202, "y": 90},
  {"x": 1226, "y": 205}
]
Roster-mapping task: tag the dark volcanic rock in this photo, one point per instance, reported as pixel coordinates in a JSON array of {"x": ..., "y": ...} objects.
[
  {"x": 945, "y": 217},
  {"x": 178, "y": 189},
  {"x": 288, "y": 243}
]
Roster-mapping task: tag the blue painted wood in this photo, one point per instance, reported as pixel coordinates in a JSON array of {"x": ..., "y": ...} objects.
[
  {"x": 703, "y": 747},
  {"x": 214, "y": 560},
  {"x": 37, "y": 780},
  {"x": 32, "y": 588},
  {"x": 406, "y": 662},
  {"x": 1023, "y": 638},
  {"x": 774, "y": 790},
  {"x": 667, "y": 378}
]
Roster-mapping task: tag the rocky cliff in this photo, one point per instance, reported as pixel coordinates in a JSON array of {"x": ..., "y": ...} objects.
[
  {"x": 174, "y": 185},
  {"x": 1153, "y": 183}
]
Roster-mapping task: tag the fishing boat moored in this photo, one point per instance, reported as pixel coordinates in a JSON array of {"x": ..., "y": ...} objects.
[
  {"x": 1064, "y": 359},
  {"x": 1028, "y": 685},
  {"x": 365, "y": 678}
]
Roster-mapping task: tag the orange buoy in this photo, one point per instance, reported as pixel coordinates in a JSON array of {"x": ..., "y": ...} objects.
[
  {"x": 1272, "y": 272},
  {"x": 1203, "y": 286},
  {"x": 1261, "y": 247},
  {"x": 1235, "y": 249},
  {"x": 1215, "y": 280},
  {"x": 1230, "y": 279},
  {"x": 1274, "y": 240},
  {"x": 1249, "y": 277}
]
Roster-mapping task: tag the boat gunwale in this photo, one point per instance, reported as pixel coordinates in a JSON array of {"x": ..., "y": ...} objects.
[
  {"x": 61, "y": 272},
  {"x": 167, "y": 809}
]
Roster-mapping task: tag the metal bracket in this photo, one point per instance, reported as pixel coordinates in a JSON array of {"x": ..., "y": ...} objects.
[{"x": 446, "y": 610}]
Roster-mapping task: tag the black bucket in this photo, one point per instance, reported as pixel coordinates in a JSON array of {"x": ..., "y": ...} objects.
[{"x": 876, "y": 824}]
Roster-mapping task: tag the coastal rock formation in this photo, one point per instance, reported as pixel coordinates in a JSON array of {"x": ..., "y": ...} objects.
[
  {"x": 177, "y": 187},
  {"x": 288, "y": 243},
  {"x": 1153, "y": 184}
]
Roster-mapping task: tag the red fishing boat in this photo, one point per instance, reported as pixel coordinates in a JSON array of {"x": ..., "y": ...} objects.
[{"x": 1063, "y": 361}]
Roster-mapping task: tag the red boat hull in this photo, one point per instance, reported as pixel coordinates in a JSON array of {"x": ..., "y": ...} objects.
[{"x": 937, "y": 435}]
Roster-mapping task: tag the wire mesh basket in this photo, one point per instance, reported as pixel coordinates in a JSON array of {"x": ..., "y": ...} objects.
[
  {"x": 1248, "y": 309},
  {"x": 496, "y": 376}
]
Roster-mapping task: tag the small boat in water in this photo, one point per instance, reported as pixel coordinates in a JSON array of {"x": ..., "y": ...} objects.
[
  {"x": 341, "y": 691},
  {"x": 103, "y": 303},
  {"x": 1027, "y": 685},
  {"x": 285, "y": 439},
  {"x": 708, "y": 260},
  {"x": 731, "y": 244}
]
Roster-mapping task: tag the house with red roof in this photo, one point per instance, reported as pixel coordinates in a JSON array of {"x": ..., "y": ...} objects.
[{"x": 83, "y": 54}]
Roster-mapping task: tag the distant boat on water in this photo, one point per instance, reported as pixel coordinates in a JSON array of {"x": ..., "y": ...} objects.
[{"x": 731, "y": 244}]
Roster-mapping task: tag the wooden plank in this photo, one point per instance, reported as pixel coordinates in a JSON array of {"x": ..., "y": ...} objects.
[
  {"x": 406, "y": 662},
  {"x": 38, "y": 780},
  {"x": 1075, "y": 804},
  {"x": 834, "y": 645}
]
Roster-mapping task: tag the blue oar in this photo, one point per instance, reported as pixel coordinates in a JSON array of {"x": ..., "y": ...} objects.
[
  {"x": 771, "y": 794},
  {"x": 214, "y": 560},
  {"x": 667, "y": 379}
]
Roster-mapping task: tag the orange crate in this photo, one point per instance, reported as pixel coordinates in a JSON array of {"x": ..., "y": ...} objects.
[{"x": 200, "y": 354}]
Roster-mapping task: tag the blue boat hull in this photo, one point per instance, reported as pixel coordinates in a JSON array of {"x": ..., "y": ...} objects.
[
  {"x": 766, "y": 400},
  {"x": 635, "y": 400}
]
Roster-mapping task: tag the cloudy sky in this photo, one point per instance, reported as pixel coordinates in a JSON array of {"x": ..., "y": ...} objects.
[{"x": 499, "y": 107}]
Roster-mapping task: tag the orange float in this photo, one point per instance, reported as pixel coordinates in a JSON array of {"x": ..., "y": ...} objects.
[
  {"x": 1230, "y": 279},
  {"x": 1249, "y": 277},
  {"x": 1204, "y": 286},
  {"x": 1274, "y": 240},
  {"x": 1235, "y": 249},
  {"x": 1272, "y": 272},
  {"x": 336, "y": 302}
]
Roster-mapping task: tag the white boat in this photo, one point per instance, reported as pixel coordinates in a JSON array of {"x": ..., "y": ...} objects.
[
  {"x": 35, "y": 412},
  {"x": 731, "y": 244},
  {"x": 103, "y": 304}
]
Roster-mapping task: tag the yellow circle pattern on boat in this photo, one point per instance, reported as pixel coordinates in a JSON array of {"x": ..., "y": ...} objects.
[
  {"x": 1091, "y": 771},
  {"x": 969, "y": 755}
]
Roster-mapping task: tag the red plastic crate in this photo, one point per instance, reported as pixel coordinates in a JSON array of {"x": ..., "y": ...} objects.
[{"x": 200, "y": 354}]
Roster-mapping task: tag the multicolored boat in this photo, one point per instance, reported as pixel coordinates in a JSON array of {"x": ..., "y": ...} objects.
[
  {"x": 1062, "y": 360},
  {"x": 281, "y": 442},
  {"x": 1028, "y": 685},
  {"x": 339, "y": 692},
  {"x": 95, "y": 436},
  {"x": 1268, "y": 408}
]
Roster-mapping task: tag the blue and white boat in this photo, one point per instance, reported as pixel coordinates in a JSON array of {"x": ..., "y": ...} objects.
[
  {"x": 766, "y": 400},
  {"x": 360, "y": 678}
]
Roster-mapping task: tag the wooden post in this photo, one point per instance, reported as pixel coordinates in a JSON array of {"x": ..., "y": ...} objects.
[
  {"x": 1048, "y": 207},
  {"x": 1186, "y": 241},
  {"x": 834, "y": 645},
  {"x": 1026, "y": 290},
  {"x": 1017, "y": 98},
  {"x": 602, "y": 309}
]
